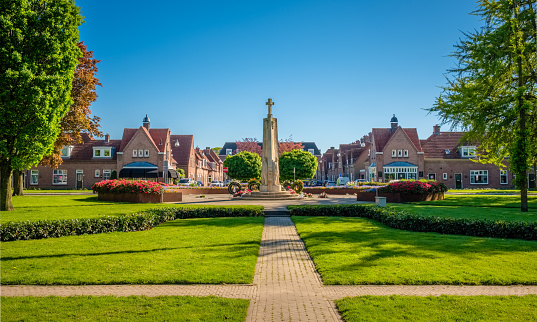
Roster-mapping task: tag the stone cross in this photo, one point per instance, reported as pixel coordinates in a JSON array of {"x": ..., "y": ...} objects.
[{"x": 269, "y": 103}]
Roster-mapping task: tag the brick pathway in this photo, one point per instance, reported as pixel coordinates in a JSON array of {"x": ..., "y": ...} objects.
[{"x": 286, "y": 285}]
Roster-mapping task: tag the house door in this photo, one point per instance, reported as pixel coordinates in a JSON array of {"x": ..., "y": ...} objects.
[
  {"x": 531, "y": 181},
  {"x": 458, "y": 180},
  {"x": 79, "y": 179}
]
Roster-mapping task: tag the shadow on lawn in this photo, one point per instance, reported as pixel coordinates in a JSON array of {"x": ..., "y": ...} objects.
[
  {"x": 91, "y": 254},
  {"x": 377, "y": 242}
]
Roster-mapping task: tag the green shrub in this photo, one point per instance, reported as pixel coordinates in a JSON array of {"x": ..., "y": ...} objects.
[
  {"x": 406, "y": 221},
  {"x": 145, "y": 220}
]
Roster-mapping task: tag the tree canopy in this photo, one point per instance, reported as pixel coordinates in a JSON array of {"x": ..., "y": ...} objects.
[
  {"x": 297, "y": 164},
  {"x": 38, "y": 56},
  {"x": 250, "y": 145},
  {"x": 492, "y": 93},
  {"x": 243, "y": 166}
]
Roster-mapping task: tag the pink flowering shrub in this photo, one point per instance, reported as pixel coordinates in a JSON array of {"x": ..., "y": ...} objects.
[
  {"x": 128, "y": 186},
  {"x": 414, "y": 187}
]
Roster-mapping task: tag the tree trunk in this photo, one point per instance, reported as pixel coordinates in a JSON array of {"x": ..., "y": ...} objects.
[
  {"x": 18, "y": 183},
  {"x": 5, "y": 188}
]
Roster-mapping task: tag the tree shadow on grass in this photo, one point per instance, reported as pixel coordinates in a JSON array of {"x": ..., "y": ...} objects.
[{"x": 91, "y": 254}]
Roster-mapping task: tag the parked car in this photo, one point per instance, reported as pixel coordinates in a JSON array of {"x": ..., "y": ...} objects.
[
  {"x": 185, "y": 182},
  {"x": 330, "y": 184},
  {"x": 342, "y": 181},
  {"x": 216, "y": 183},
  {"x": 200, "y": 184}
]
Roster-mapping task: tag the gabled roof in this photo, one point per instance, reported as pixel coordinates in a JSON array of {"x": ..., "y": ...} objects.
[
  {"x": 382, "y": 136},
  {"x": 435, "y": 146},
  {"x": 181, "y": 153},
  {"x": 127, "y": 136},
  {"x": 311, "y": 145},
  {"x": 159, "y": 136}
]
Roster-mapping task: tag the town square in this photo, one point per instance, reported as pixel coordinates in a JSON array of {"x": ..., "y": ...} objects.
[{"x": 394, "y": 178}]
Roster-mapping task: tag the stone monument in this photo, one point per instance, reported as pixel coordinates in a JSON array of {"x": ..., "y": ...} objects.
[{"x": 270, "y": 172}]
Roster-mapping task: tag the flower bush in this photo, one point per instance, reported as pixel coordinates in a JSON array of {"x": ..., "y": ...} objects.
[
  {"x": 128, "y": 186},
  {"x": 414, "y": 187},
  {"x": 323, "y": 195},
  {"x": 241, "y": 193}
]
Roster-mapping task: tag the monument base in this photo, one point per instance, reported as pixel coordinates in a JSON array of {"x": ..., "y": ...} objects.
[{"x": 281, "y": 195}]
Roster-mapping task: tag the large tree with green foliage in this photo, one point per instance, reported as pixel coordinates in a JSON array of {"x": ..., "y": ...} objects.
[
  {"x": 492, "y": 93},
  {"x": 297, "y": 164},
  {"x": 243, "y": 166},
  {"x": 38, "y": 56}
]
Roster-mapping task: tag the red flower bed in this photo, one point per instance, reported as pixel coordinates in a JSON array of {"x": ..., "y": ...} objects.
[
  {"x": 414, "y": 187},
  {"x": 128, "y": 186}
]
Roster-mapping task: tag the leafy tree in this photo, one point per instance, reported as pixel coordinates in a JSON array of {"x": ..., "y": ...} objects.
[
  {"x": 181, "y": 172},
  {"x": 217, "y": 149},
  {"x": 250, "y": 145},
  {"x": 38, "y": 56},
  {"x": 243, "y": 166},
  {"x": 289, "y": 145},
  {"x": 304, "y": 165},
  {"x": 492, "y": 92}
]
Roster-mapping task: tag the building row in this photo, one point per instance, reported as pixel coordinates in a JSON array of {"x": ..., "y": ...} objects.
[{"x": 395, "y": 152}]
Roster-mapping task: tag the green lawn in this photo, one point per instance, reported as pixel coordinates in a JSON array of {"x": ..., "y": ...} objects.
[
  {"x": 58, "y": 191},
  {"x": 362, "y": 251},
  {"x": 442, "y": 308},
  {"x": 479, "y": 200},
  {"x": 133, "y": 308},
  {"x": 188, "y": 251},
  {"x": 53, "y": 207}
]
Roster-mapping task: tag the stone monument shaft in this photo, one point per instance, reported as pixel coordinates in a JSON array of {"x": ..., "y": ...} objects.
[{"x": 270, "y": 173}]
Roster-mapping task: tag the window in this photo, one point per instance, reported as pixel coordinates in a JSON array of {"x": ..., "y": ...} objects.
[
  {"x": 468, "y": 151},
  {"x": 66, "y": 151},
  {"x": 59, "y": 176},
  {"x": 204, "y": 162},
  {"x": 312, "y": 151},
  {"x": 405, "y": 153},
  {"x": 229, "y": 151},
  {"x": 146, "y": 153},
  {"x": 134, "y": 153},
  {"x": 444, "y": 176},
  {"x": 432, "y": 176},
  {"x": 97, "y": 173},
  {"x": 399, "y": 153},
  {"x": 503, "y": 177},
  {"x": 34, "y": 176},
  {"x": 140, "y": 153},
  {"x": 398, "y": 173},
  {"x": 330, "y": 165},
  {"x": 394, "y": 153},
  {"x": 102, "y": 152},
  {"x": 106, "y": 174},
  {"x": 479, "y": 176}
]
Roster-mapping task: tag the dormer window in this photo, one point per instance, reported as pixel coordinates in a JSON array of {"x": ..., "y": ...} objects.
[
  {"x": 102, "y": 152},
  {"x": 312, "y": 151},
  {"x": 66, "y": 151},
  {"x": 467, "y": 151}
]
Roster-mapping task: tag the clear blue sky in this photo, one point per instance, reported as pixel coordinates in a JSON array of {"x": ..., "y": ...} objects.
[{"x": 335, "y": 69}]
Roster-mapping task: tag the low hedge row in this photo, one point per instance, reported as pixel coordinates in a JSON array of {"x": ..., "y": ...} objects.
[
  {"x": 145, "y": 220},
  {"x": 406, "y": 221}
]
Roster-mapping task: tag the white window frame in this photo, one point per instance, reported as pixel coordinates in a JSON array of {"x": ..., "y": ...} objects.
[
  {"x": 503, "y": 173},
  {"x": 444, "y": 176},
  {"x": 229, "y": 151},
  {"x": 312, "y": 151},
  {"x": 68, "y": 149},
  {"x": 106, "y": 174},
  {"x": 146, "y": 153},
  {"x": 34, "y": 174},
  {"x": 97, "y": 173},
  {"x": 405, "y": 153},
  {"x": 101, "y": 152},
  {"x": 134, "y": 153},
  {"x": 59, "y": 177},
  {"x": 468, "y": 151},
  {"x": 479, "y": 173},
  {"x": 399, "y": 153},
  {"x": 140, "y": 153},
  {"x": 394, "y": 153}
]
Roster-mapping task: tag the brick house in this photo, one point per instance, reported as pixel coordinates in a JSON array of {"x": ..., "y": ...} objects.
[{"x": 142, "y": 153}]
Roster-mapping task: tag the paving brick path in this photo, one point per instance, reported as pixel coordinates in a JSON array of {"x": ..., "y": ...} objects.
[{"x": 286, "y": 286}]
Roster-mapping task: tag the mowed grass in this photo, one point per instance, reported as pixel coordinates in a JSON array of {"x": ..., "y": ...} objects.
[
  {"x": 184, "y": 251},
  {"x": 55, "y": 207},
  {"x": 361, "y": 251},
  {"x": 492, "y": 207},
  {"x": 442, "y": 308},
  {"x": 133, "y": 308}
]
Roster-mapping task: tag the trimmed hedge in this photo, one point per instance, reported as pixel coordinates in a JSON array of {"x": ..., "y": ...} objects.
[
  {"x": 145, "y": 220},
  {"x": 406, "y": 221}
]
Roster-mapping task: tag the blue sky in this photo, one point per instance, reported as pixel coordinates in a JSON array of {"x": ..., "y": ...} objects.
[{"x": 335, "y": 69}]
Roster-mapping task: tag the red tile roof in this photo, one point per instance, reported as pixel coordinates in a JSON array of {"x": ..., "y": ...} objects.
[
  {"x": 382, "y": 136},
  {"x": 435, "y": 146},
  {"x": 127, "y": 136},
  {"x": 159, "y": 136},
  {"x": 84, "y": 151},
  {"x": 182, "y": 152}
]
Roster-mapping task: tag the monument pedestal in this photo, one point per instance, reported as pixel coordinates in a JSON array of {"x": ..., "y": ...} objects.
[{"x": 281, "y": 195}]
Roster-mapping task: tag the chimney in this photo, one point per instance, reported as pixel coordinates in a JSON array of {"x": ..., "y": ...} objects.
[
  {"x": 107, "y": 138},
  {"x": 146, "y": 122},
  {"x": 436, "y": 129},
  {"x": 394, "y": 124}
]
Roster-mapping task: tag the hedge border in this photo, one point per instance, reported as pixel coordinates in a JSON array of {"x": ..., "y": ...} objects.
[
  {"x": 412, "y": 222},
  {"x": 26, "y": 230}
]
